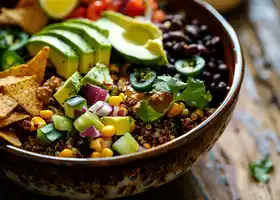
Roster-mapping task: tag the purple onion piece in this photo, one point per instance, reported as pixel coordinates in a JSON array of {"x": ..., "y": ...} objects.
[
  {"x": 91, "y": 132},
  {"x": 140, "y": 148},
  {"x": 78, "y": 113}
]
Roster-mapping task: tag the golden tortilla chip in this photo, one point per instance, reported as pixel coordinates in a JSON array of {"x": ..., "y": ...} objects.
[
  {"x": 7, "y": 105},
  {"x": 31, "y": 18},
  {"x": 36, "y": 66},
  {"x": 24, "y": 92},
  {"x": 10, "y": 137},
  {"x": 13, "y": 117},
  {"x": 10, "y": 80},
  {"x": 22, "y": 3},
  {"x": 5, "y": 20}
]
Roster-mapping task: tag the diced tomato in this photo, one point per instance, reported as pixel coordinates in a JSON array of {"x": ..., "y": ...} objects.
[
  {"x": 154, "y": 4},
  {"x": 113, "y": 5},
  {"x": 158, "y": 16},
  {"x": 135, "y": 8},
  {"x": 78, "y": 12},
  {"x": 95, "y": 9}
]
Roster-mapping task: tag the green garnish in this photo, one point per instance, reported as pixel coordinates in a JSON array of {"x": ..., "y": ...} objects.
[
  {"x": 194, "y": 94},
  {"x": 260, "y": 169}
]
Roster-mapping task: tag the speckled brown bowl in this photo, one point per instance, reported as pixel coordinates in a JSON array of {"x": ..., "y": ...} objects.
[{"x": 131, "y": 174}]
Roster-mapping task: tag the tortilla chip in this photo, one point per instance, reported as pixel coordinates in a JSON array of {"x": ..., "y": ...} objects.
[
  {"x": 14, "y": 117},
  {"x": 31, "y": 18},
  {"x": 36, "y": 66},
  {"x": 22, "y": 3},
  {"x": 7, "y": 105},
  {"x": 24, "y": 92},
  {"x": 10, "y": 137},
  {"x": 10, "y": 80},
  {"x": 5, "y": 20}
]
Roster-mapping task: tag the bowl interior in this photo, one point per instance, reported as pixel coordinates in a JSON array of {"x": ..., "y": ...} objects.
[{"x": 233, "y": 58}]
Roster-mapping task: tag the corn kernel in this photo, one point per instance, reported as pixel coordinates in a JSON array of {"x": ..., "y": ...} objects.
[
  {"x": 122, "y": 95},
  {"x": 199, "y": 112},
  {"x": 108, "y": 131},
  {"x": 132, "y": 127},
  {"x": 147, "y": 146},
  {"x": 66, "y": 153},
  {"x": 96, "y": 145},
  {"x": 182, "y": 107},
  {"x": 115, "y": 100},
  {"x": 37, "y": 122},
  {"x": 174, "y": 110},
  {"x": 107, "y": 152},
  {"x": 96, "y": 155},
  {"x": 46, "y": 114}
]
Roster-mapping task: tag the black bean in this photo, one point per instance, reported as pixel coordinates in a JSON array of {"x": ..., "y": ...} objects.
[
  {"x": 176, "y": 25},
  {"x": 215, "y": 40},
  {"x": 204, "y": 29},
  {"x": 162, "y": 27},
  {"x": 191, "y": 50},
  {"x": 211, "y": 66},
  {"x": 220, "y": 62},
  {"x": 208, "y": 43},
  {"x": 195, "y": 22},
  {"x": 207, "y": 37},
  {"x": 175, "y": 35},
  {"x": 222, "y": 87},
  {"x": 202, "y": 49},
  {"x": 171, "y": 69},
  {"x": 223, "y": 68},
  {"x": 212, "y": 87},
  {"x": 217, "y": 78},
  {"x": 208, "y": 77},
  {"x": 199, "y": 42},
  {"x": 178, "y": 47},
  {"x": 193, "y": 31},
  {"x": 168, "y": 45}
]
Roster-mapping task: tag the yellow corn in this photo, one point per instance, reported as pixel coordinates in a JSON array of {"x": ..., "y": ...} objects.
[
  {"x": 199, "y": 112},
  {"x": 147, "y": 146},
  {"x": 96, "y": 155},
  {"x": 46, "y": 114},
  {"x": 132, "y": 127},
  {"x": 37, "y": 122},
  {"x": 108, "y": 131},
  {"x": 107, "y": 152},
  {"x": 96, "y": 145},
  {"x": 175, "y": 110},
  {"x": 122, "y": 95},
  {"x": 115, "y": 100},
  {"x": 66, "y": 153},
  {"x": 182, "y": 107}
]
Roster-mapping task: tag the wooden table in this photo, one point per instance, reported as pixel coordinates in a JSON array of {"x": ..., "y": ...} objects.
[{"x": 253, "y": 132}]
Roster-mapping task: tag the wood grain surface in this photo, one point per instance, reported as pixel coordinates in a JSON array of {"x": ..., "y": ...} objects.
[{"x": 254, "y": 129}]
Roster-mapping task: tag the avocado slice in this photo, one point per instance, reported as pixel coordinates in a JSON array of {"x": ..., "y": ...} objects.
[
  {"x": 62, "y": 56},
  {"x": 91, "y": 24},
  {"x": 139, "y": 42},
  {"x": 84, "y": 50},
  {"x": 95, "y": 39},
  {"x": 69, "y": 89},
  {"x": 121, "y": 124}
]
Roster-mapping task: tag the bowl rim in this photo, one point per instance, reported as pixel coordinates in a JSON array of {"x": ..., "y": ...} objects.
[{"x": 233, "y": 92}]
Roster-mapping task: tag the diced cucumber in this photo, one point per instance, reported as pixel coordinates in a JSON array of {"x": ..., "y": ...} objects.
[
  {"x": 47, "y": 134},
  {"x": 126, "y": 145},
  {"x": 86, "y": 120},
  {"x": 73, "y": 104},
  {"x": 62, "y": 123}
]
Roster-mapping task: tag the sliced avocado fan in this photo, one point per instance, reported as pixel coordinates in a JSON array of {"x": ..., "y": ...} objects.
[{"x": 138, "y": 41}]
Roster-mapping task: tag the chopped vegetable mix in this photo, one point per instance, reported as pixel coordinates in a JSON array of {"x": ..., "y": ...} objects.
[{"x": 104, "y": 89}]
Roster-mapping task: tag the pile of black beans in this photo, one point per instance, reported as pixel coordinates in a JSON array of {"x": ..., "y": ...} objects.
[{"x": 183, "y": 38}]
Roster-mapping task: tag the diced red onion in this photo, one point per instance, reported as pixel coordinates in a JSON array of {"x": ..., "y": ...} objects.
[
  {"x": 115, "y": 111},
  {"x": 91, "y": 132},
  {"x": 101, "y": 108},
  {"x": 94, "y": 94},
  {"x": 140, "y": 148},
  {"x": 122, "y": 113},
  {"x": 78, "y": 113}
]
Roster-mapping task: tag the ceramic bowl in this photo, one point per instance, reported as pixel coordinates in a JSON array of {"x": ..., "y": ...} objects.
[{"x": 130, "y": 174}]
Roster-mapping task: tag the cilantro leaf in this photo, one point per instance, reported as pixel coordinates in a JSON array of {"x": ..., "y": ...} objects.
[
  {"x": 147, "y": 113},
  {"x": 260, "y": 169},
  {"x": 170, "y": 84},
  {"x": 195, "y": 94}
]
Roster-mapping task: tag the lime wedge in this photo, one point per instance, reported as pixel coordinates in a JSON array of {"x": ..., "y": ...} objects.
[{"x": 58, "y": 9}]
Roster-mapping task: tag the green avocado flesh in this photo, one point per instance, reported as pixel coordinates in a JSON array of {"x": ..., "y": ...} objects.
[
  {"x": 86, "y": 52},
  {"x": 91, "y": 36},
  {"x": 69, "y": 89},
  {"x": 140, "y": 42},
  {"x": 62, "y": 55}
]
